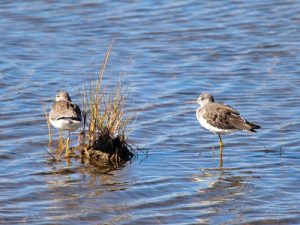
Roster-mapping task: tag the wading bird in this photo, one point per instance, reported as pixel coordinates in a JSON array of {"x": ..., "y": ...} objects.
[
  {"x": 65, "y": 115},
  {"x": 220, "y": 118}
]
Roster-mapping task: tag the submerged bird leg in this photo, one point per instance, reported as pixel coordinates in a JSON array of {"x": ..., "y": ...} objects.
[
  {"x": 221, "y": 150},
  {"x": 67, "y": 146},
  {"x": 221, "y": 160}
]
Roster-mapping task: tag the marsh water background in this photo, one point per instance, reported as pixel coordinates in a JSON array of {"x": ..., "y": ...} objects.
[{"x": 246, "y": 53}]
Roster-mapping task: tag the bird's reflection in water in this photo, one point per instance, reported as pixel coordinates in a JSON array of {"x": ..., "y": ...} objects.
[
  {"x": 218, "y": 180},
  {"x": 218, "y": 189}
]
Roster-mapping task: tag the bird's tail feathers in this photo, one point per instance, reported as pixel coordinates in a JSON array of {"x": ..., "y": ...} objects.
[{"x": 253, "y": 127}]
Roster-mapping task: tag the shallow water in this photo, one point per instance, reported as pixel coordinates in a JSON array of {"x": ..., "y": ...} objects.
[{"x": 246, "y": 54}]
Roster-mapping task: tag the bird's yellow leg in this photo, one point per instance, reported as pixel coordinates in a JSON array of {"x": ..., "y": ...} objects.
[
  {"x": 221, "y": 151},
  {"x": 220, "y": 141},
  {"x": 67, "y": 146},
  {"x": 221, "y": 161}
]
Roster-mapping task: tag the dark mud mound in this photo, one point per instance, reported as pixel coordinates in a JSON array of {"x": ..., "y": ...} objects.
[{"x": 107, "y": 148}]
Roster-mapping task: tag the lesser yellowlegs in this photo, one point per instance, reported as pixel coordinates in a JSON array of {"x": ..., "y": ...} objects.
[
  {"x": 65, "y": 115},
  {"x": 220, "y": 118}
]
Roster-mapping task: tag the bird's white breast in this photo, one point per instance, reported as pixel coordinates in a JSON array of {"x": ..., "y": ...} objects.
[{"x": 65, "y": 124}]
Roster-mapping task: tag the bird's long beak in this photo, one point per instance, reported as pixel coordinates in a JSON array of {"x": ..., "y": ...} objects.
[{"x": 191, "y": 102}]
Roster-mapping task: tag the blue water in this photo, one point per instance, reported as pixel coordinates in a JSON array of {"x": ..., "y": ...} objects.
[{"x": 246, "y": 54}]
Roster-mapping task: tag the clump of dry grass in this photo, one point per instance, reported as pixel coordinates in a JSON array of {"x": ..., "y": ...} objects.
[{"x": 106, "y": 121}]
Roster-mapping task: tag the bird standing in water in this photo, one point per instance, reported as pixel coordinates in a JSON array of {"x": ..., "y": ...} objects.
[
  {"x": 220, "y": 118},
  {"x": 65, "y": 115}
]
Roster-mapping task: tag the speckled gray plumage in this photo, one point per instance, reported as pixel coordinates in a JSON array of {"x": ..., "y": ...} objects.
[
  {"x": 223, "y": 116},
  {"x": 65, "y": 109}
]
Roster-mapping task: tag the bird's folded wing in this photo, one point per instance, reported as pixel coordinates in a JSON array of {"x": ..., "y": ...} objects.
[
  {"x": 64, "y": 109},
  {"x": 225, "y": 117}
]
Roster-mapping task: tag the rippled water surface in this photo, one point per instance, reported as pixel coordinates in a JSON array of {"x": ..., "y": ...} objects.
[{"x": 167, "y": 52}]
